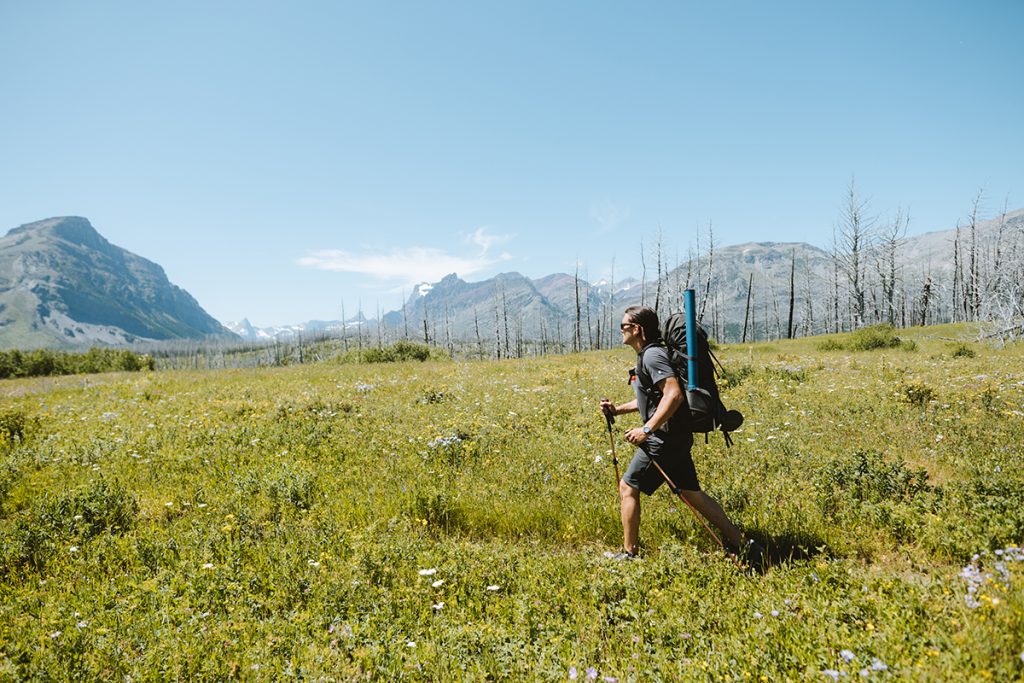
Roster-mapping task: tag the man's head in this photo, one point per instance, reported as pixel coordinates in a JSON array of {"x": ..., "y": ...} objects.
[{"x": 639, "y": 323}]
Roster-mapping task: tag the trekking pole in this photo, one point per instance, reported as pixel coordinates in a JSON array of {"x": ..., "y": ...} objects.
[
  {"x": 611, "y": 440},
  {"x": 679, "y": 492}
]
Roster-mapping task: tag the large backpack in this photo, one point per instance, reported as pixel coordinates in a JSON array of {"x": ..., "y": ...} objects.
[{"x": 707, "y": 412}]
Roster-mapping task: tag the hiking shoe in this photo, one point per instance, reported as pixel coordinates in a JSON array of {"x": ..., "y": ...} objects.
[
  {"x": 621, "y": 555},
  {"x": 753, "y": 555}
]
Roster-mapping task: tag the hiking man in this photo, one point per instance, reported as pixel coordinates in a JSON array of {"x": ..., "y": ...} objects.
[{"x": 664, "y": 435}]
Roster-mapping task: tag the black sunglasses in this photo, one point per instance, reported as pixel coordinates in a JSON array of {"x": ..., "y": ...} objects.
[{"x": 623, "y": 326}]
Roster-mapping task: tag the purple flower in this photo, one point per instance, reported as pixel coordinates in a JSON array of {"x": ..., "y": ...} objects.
[
  {"x": 573, "y": 673},
  {"x": 846, "y": 655},
  {"x": 591, "y": 673}
]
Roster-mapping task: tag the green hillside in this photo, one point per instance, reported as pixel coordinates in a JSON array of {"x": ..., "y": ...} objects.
[{"x": 446, "y": 521}]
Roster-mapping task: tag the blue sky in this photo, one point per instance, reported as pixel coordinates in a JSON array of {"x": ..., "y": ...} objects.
[{"x": 279, "y": 159}]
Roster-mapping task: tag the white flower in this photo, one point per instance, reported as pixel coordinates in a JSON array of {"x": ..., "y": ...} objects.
[
  {"x": 411, "y": 643},
  {"x": 313, "y": 563},
  {"x": 878, "y": 665},
  {"x": 439, "y": 606},
  {"x": 494, "y": 587},
  {"x": 438, "y": 583},
  {"x": 598, "y": 459},
  {"x": 57, "y": 634},
  {"x": 73, "y": 549},
  {"x": 758, "y": 615},
  {"x": 208, "y": 565},
  {"x": 77, "y": 518},
  {"x": 204, "y": 615},
  {"x": 82, "y": 624},
  {"x": 168, "y": 504},
  {"x": 846, "y": 655},
  {"x": 775, "y": 612},
  {"x": 427, "y": 572}
]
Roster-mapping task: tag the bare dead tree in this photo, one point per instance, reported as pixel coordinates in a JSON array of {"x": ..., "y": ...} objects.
[
  {"x": 476, "y": 328},
  {"x": 891, "y": 239},
  {"x": 344, "y": 330},
  {"x": 657, "y": 291},
  {"x": 577, "y": 336},
  {"x": 746, "y": 313},
  {"x": 973, "y": 288},
  {"x": 497, "y": 325},
  {"x": 504, "y": 313},
  {"x": 855, "y": 237},
  {"x": 711, "y": 259},
  {"x": 643, "y": 275},
  {"x": 792, "y": 292}
]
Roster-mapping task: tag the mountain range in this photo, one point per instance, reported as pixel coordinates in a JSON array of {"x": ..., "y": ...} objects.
[
  {"x": 62, "y": 285},
  {"x": 511, "y": 305}
]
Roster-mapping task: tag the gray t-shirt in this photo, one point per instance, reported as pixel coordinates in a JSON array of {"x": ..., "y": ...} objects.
[{"x": 652, "y": 365}]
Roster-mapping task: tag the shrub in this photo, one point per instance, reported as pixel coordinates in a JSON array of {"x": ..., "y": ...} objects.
[
  {"x": 916, "y": 393},
  {"x": 397, "y": 352},
  {"x": 830, "y": 344},
  {"x": 875, "y": 337},
  {"x": 14, "y": 424},
  {"x": 866, "y": 477},
  {"x": 961, "y": 350},
  {"x": 734, "y": 376}
]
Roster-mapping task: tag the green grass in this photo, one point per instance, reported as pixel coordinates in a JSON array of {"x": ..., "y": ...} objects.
[{"x": 278, "y": 523}]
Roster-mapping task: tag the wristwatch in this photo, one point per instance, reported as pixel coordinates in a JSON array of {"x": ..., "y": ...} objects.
[{"x": 647, "y": 430}]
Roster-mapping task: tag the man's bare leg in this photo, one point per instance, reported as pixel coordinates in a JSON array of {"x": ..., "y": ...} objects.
[{"x": 629, "y": 508}]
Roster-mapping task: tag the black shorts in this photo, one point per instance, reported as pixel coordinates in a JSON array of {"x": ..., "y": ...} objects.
[{"x": 673, "y": 456}]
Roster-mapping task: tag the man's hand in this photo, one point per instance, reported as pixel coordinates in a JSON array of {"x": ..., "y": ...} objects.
[
  {"x": 636, "y": 436},
  {"x": 608, "y": 409}
]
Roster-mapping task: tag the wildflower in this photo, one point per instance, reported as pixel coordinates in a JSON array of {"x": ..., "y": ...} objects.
[
  {"x": 846, "y": 655},
  {"x": 77, "y": 518},
  {"x": 208, "y": 565},
  {"x": 591, "y": 673},
  {"x": 57, "y": 634},
  {"x": 73, "y": 549},
  {"x": 411, "y": 644},
  {"x": 428, "y": 572},
  {"x": 204, "y": 615},
  {"x": 439, "y": 606},
  {"x": 864, "y": 673},
  {"x": 573, "y": 673},
  {"x": 878, "y": 665},
  {"x": 437, "y": 584},
  {"x": 775, "y": 612},
  {"x": 610, "y": 679},
  {"x": 82, "y": 624},
  {"x": 758, "y": 615},
  {"x": 494, "y": 587},
  {"x": 831, "y": 673},
  {"x": 168, "y": 504},
  {"x": 598, "y": 459},
  {"x": 313, "y": 563}
]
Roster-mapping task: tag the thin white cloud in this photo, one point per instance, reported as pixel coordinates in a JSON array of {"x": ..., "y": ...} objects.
[
  {"x": 481, "y": 238},
  {"x": 609, "y": 216},
  {"x": 412, "y": 264}
]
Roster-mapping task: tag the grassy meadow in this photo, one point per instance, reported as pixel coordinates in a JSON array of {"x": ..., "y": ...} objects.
[{"x": 446, "y": 521}]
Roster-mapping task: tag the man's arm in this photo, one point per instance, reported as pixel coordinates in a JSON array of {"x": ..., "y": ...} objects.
[
  {"x": 671, "y": 398},
  {"x": 609, "y": 408}
]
